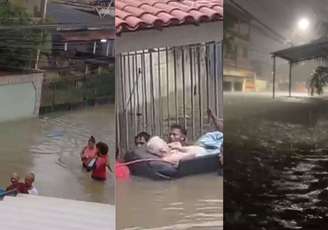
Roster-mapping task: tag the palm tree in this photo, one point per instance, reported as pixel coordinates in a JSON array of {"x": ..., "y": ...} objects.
[{"x": 319, "y": 79}]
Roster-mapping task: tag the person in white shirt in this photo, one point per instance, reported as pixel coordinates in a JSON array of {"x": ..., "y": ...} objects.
[{"x": 29, "y": 180}]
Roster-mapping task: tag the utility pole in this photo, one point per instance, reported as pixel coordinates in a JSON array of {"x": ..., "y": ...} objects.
[
  {"x": 44, "y": 10},
  {"x": 44, "y": 4}
]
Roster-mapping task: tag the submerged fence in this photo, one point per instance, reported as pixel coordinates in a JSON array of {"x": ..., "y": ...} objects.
[
  {"x": 158, "y": 87},
  {"x": 67, "y": 91}
]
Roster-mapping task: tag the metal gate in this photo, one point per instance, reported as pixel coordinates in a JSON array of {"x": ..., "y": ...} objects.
[{"x": 158, "y": 87}]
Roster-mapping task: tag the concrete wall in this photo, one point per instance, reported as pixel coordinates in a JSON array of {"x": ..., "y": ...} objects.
[
  {"x": 20, "y": 96},
  {"x": 169, "y": 37}
]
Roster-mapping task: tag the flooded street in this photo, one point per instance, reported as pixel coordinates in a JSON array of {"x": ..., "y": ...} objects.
[
  {"x": 278, "y": 154},
  {"x": 50, "y": 147},
  {"x": 194, "y": 202}
]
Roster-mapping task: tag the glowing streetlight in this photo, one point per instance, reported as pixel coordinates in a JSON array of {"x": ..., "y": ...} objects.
[
  {"x": 303, "y": 24},
  {"x": 103, "y": 40}
]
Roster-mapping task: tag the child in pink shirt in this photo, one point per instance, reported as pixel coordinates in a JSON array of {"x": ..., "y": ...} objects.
[
  {"x": 89, "y": 152},
  {"x": 99, "y": 171}
]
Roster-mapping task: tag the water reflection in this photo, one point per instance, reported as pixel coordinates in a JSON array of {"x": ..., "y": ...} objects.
[
  {"x": 50, "y": 147},
  {"x": 279, "y": 155}
]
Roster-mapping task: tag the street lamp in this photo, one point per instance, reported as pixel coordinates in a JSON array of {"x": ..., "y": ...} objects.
[{"x": 303, "y": 24}]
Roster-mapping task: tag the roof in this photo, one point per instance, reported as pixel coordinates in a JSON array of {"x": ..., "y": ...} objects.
[
  {"x": 313, "y": 50},
  {"x": 134, "y": 15},
  {"x": 87, "y": 36},
  {"x": 37, "y": 212},
  {"x": 66, "y": 14}
]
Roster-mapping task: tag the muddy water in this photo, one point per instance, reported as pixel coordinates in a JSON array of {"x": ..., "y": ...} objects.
[
  {"x": 194, "y": 202},
  {"x": 276, "y": 163},
  {"x": 50, "y": 146}
]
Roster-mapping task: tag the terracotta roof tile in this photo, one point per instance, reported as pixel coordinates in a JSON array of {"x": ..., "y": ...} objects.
[{"x": 132, "y": 15}]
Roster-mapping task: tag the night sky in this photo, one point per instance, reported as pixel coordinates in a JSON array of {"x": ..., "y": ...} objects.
[{"x": 283, "y": 15}]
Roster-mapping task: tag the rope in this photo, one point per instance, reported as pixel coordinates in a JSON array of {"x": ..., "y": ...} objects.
[{"x": 140, "y": 161}]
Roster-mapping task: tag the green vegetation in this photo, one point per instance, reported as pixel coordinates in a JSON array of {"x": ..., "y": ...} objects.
[
  {"x": 18, "y": 47},
  {"x": 319, "y": 80},
  {"x": 70, "y": 91}
]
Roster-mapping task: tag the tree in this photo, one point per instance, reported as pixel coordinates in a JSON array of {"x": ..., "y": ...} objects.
[
  {"x": 18, "y": 47},
  {"x": 230, "y": 45},
  {"x": 319, "y": 79}
]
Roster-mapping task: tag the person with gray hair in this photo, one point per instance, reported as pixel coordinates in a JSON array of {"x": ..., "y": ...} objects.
[{"x": 29, "y": 180}]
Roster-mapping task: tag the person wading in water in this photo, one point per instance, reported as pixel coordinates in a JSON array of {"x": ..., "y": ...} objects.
[
  {"x": 16, "y": 186},
  {"x": 99, "y": 169},
  {"x": 29, "y": 180},
  {"x": 89, "y": 152}
]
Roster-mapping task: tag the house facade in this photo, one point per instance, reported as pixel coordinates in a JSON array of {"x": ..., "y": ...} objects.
[
  {"x": 239, "y": 74},
  {"x": 168, "y": 70}
]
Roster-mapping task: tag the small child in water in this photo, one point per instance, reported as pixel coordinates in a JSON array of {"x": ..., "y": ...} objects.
[
  {"x": 99, "y": 171},
  {"x": 16, "y": 186}
]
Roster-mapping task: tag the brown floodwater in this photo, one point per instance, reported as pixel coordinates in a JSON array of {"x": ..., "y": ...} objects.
[
  {"x": 194, "y": 202},
  {"x": 50, "y": 147}
]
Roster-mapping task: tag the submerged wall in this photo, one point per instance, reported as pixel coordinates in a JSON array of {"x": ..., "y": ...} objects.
[{"x": 20, "y": 96}]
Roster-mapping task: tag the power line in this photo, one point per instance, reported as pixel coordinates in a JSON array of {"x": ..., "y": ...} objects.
[
  {"x": 278, "y": 36},
  {"x": 60, "y": 26}
]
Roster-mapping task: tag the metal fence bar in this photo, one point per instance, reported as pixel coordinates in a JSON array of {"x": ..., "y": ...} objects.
[
  {"x": 137, "y": 92},
  {"x": 200, "y": 90},
  {"x": 192, "y": 92},
  {"x": 152, "y": 93},
  {"x": 220, "y": 82},
  {"x": 216, "y": 76},
  {"x": 117, "y": 103},
  {"x": 207, "y": 80},
  {"x": 130, "y": 88},
  {"x": 175, "y": 86},
  {"x": 167, "y": 85},
  {"x": 124, "y": 105},
  {"x": 183, "y": 88},
  {"x": 145, "y": 101},
  {"x": 133, "y": 111},
  {"x": 159, "y": 92}
]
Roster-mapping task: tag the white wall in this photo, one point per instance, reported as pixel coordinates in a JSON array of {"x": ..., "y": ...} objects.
[
  {"x": 16, "y": 101},
  {"x": 20, "y": 96}
]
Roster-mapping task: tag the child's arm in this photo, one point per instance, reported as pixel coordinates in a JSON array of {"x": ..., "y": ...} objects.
[{"x": 82, "y": 153}]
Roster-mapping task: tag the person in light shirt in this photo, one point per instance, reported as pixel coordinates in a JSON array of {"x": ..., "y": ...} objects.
[
  {"x": 29, "y": 180},
  {"x": 172, "y": 152}
]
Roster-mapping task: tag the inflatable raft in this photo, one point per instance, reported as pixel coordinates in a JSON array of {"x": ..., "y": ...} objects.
[{"x": 153, "y": 168}]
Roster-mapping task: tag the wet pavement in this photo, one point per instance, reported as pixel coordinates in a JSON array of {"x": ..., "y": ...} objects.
[{"x": 194, "y": 202}]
